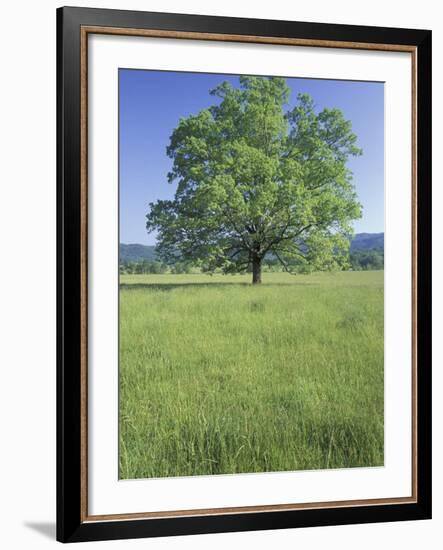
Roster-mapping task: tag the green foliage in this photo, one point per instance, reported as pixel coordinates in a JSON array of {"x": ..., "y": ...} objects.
[
  {"x": 254, "y": 180},
  {"x": 367, "y": 259},
  {"x": 181, "y": 268},
  {"x": 220, "y": 377},
  {"x": 143, "y": 266}
]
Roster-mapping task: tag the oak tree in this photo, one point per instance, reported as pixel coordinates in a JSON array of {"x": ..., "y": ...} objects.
[{"x": 255, "y": 180}]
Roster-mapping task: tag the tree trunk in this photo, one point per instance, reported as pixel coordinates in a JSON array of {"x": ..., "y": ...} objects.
[{"x": 256, "y": 270}]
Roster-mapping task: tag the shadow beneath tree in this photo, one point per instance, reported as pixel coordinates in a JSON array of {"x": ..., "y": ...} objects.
[{"x": 175, "y": 286}]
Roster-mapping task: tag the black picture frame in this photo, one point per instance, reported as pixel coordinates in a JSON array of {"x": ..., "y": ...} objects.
[{"x": 71, "y": 524}]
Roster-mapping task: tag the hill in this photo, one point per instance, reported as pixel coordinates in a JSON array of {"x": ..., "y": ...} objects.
[
  {"x": 368, "y": 241},
  {"x": 140, "y": 252},
  {"x": 136, "y": 252}
]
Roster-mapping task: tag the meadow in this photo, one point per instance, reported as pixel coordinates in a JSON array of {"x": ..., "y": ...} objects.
[{"x": 218, "y": 376}]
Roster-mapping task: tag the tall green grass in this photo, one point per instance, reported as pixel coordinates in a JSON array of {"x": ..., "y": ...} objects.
[{"x": 218, "y": 376}]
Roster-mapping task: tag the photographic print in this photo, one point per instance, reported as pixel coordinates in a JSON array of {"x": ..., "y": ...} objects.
[
  {"x": 243, "y": 276},
  {"x": 251, "y": 256}
]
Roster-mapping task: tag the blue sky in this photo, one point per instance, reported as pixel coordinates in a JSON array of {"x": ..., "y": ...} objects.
[{"x": 152, "y": 102}]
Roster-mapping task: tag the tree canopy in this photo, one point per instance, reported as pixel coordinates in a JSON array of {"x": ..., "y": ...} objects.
[{"x": 254, "y": 180}]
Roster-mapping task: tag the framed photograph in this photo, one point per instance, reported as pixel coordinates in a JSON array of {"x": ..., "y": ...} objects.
[{"x": 244, "y": 274}]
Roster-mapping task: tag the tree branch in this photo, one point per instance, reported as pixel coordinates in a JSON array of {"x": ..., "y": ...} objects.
[{"x": 285, "y": 266}]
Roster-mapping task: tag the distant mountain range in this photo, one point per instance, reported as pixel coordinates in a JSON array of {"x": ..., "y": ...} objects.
[
  {"x": 136, "y": 252},
  {"x": 140, "y": 252},
  {"x": 368, "y": 241}
]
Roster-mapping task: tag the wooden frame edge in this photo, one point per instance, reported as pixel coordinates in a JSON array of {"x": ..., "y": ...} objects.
[
  {"x": 85, "y": 30},
  {"x": 199, "y": 512},
  {"x": 414, "y": 253},
  {"x": 191, "y": 35},
  {"x": 84, "y": 274}
]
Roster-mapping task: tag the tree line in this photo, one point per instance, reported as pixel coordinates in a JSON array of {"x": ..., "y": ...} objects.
[
  {"x": 364, "y": 260},
  {"x": 153, "y": 267},
  {"x": 360, "y": 260}
]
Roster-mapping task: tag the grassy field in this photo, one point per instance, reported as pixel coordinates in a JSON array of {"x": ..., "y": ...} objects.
[{"x": 219, "y": 376}]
